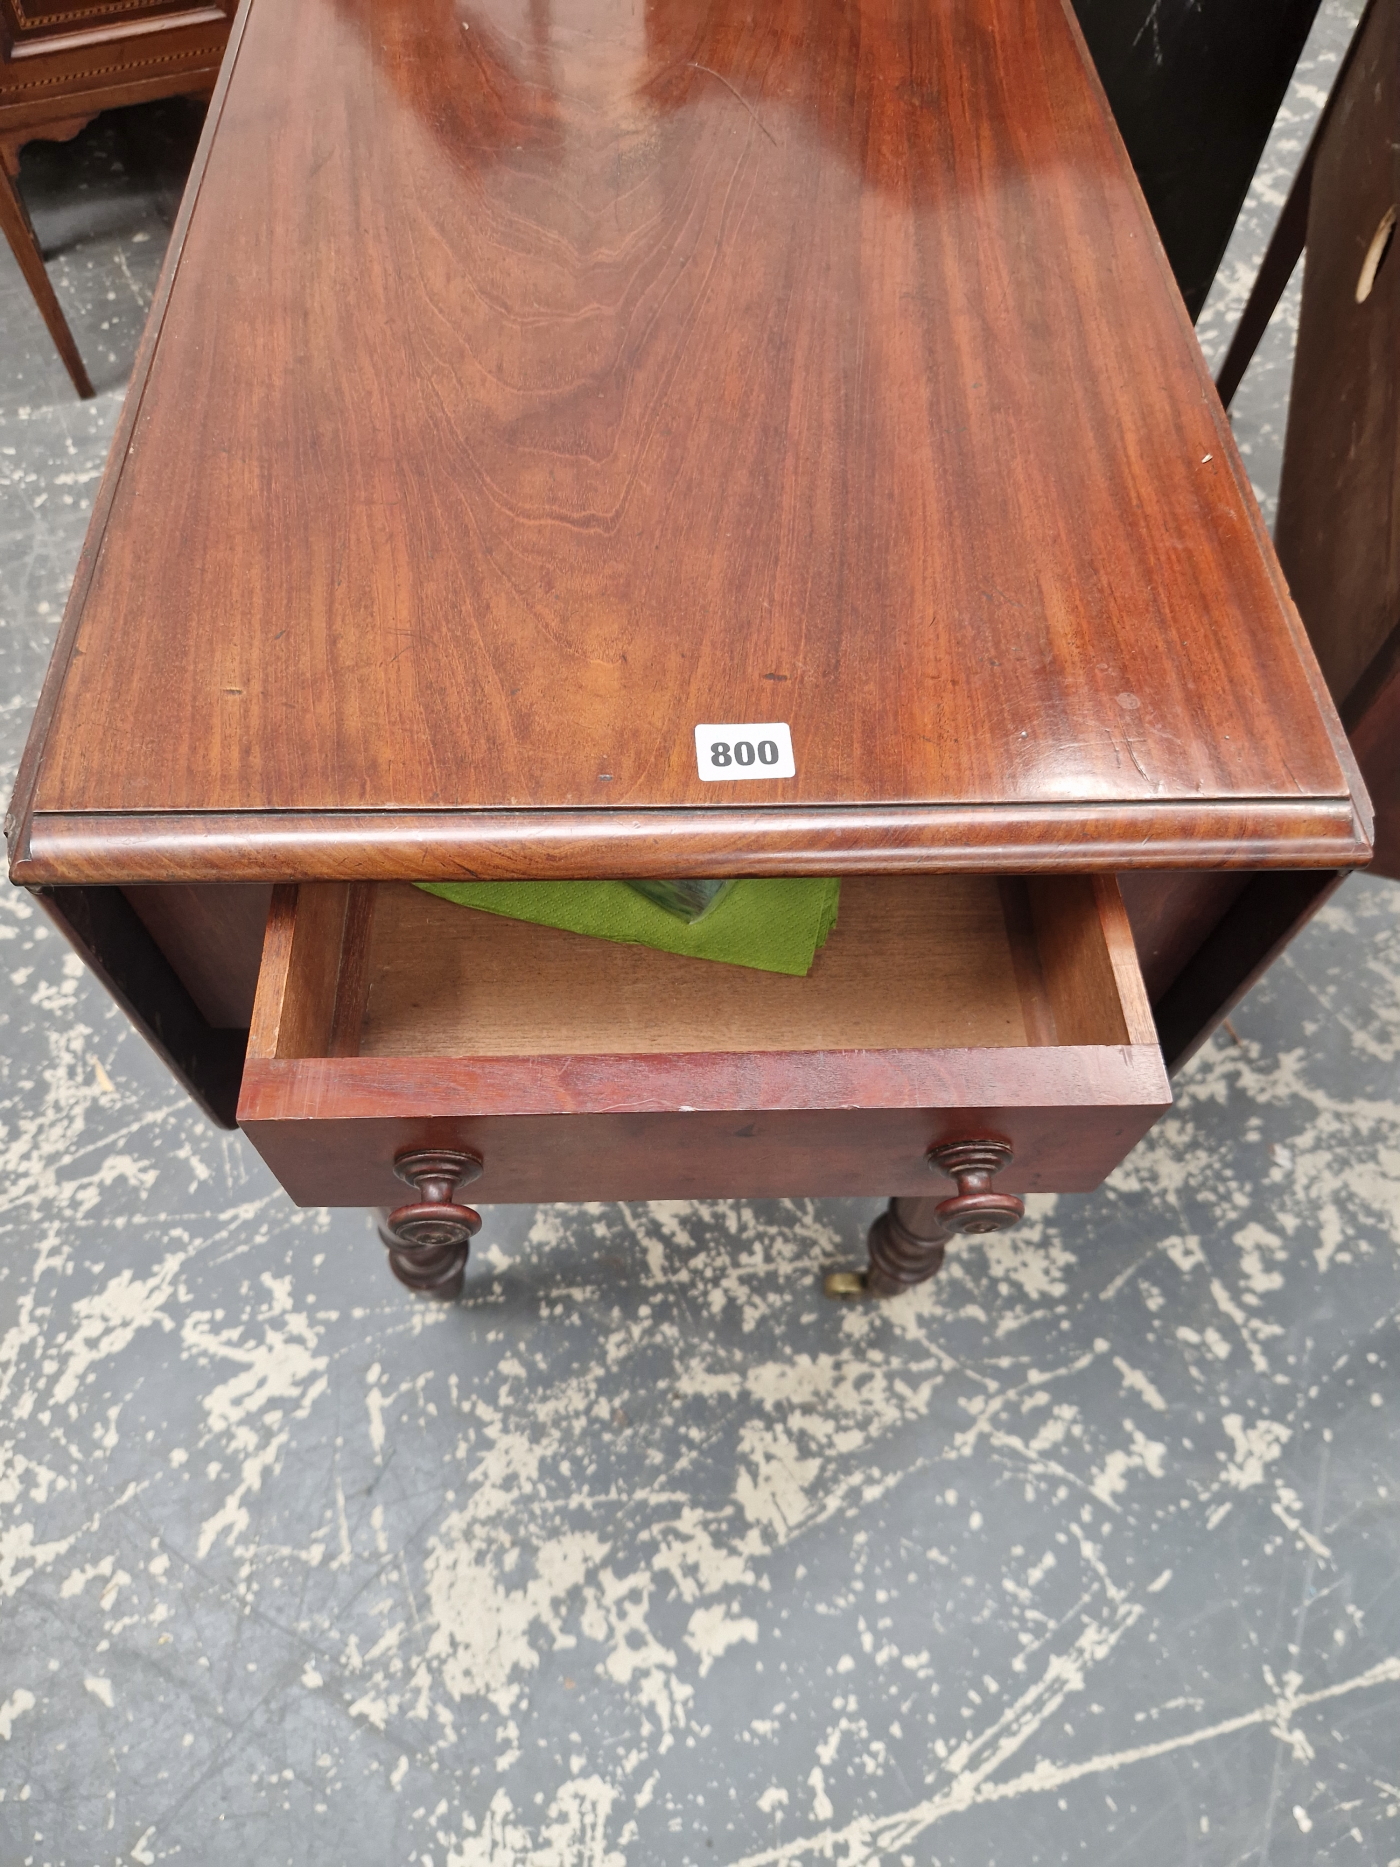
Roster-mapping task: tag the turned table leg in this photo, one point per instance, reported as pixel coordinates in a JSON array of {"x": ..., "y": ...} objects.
[
  {"x": 907, "y": 1241},
  {"x": 24, "y": 244},
  {"x": 905, "y": 1245},
  {"x": 428, "y": 1239}
]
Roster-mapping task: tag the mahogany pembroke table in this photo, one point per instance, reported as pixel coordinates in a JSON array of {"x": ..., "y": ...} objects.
[{"x": 530, "y": 384}]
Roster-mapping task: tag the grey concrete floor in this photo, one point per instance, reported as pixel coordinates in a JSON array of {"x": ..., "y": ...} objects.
[{"x": 643, "y": 1552}]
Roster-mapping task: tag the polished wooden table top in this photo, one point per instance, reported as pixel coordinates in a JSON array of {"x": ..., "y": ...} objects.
[{"x": 532, "y": 383}]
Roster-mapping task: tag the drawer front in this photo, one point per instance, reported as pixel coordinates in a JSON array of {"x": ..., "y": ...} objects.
[
  {"x": 721, "y": 1122},
  {"x": 347, "y": 1160}
]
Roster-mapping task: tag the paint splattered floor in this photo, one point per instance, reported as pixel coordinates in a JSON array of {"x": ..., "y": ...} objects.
[{"x": 643, "y": 1552}]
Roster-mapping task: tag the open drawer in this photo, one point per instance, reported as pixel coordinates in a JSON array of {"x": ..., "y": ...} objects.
[{"x": 943, "y": 1006}]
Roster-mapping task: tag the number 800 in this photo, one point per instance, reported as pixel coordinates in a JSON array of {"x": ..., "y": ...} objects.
[{"x": 743, "y": 752}]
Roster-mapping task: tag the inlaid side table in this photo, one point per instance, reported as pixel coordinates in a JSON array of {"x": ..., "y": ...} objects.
[{"x": 62, "y": 62}]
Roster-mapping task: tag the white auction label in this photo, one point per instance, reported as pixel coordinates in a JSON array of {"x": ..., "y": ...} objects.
[{"x": 727, "y": 752}]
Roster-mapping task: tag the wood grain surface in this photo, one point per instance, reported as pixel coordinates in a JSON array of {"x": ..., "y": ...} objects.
[
  {"x": 486, "y": 845},
  {"x": 924, "y": 1019},
  {"x": 105, "y": 930},
  {"x": 537, "y": 383},
  {"x": 212, "y": 935},
  {"x": 914, "y": 962},
  {"x": 330, "y": 1129},
  {"x": 1171, "y": 911},
  {"x": 1339, "y": 497}
]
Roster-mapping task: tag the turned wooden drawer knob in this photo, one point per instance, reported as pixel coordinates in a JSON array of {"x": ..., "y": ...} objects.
[
  {"x": 428, "y": 1239},
  {"x": 976, "y": 1207}
]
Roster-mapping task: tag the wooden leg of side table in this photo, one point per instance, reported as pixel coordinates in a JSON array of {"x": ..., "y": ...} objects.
[
  {"x": 438, "y": 1271},
  {"x": 906, "y": 1243},
  {"x": 24, "y": 244},
  {"x": 428, "y": 1239}
]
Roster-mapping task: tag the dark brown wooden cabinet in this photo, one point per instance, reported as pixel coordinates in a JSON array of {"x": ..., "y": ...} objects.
[
  {"x": 1339, "y": 502},
  {"x": 1339, "y": 498},
  {"x": 560, "y": 391}
]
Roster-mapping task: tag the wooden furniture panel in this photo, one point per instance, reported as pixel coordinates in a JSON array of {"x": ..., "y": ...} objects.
[
  {"x": 890, "y": 980},
  {"x": 1170, "y": 913},
  {"x": 581, "y": 1070},
  {"x": 580, "y": 461},
  {"x": 1339, "y": 500},
  {"x": 25, "y": 24},
  {"x": 1195, "y": 86},
  {"x": 65, "y": 62},
  {"x": 1288, "y": 238},
  {"x": 502, "y": 845},
  {"x": 212, "y": 937},
  {"x": 104, "y": 929}
]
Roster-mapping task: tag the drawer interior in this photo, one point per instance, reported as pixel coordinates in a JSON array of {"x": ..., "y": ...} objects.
[{"x": 926, "y": 962}]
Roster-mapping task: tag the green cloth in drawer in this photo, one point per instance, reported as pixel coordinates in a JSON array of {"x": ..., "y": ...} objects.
[{"x": 775, "y": 924}]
